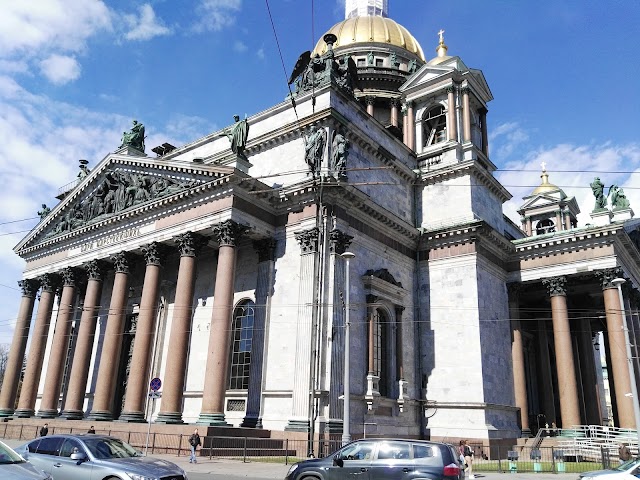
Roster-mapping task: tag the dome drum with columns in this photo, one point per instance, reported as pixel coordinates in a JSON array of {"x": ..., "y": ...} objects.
[{"x": 220, "y": 270}]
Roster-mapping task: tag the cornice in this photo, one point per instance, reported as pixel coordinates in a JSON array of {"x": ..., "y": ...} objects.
[
  {"x": 475, "y": 232},
  {"x": 566, "y": 240},
  {"x": 471, "y": 168}
]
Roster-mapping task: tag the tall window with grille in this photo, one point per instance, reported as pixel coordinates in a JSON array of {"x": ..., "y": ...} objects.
[
  {"x": 381, "y": 351},
  {"x": 242, "y": 336},
  {"x": 435, "y": 126}
]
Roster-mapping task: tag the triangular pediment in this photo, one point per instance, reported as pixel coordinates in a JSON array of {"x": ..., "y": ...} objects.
[{"x": 119, "y": 186}]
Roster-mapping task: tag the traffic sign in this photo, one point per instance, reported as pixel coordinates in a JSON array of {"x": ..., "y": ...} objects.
[
  {"x": 155, "y": 384},
  {"x": 154, "y": 395}
]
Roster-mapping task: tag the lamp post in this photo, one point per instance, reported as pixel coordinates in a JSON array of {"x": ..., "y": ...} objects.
[
  {"x": 632, "y": 376},
  {"x": 346, "y": 435}
]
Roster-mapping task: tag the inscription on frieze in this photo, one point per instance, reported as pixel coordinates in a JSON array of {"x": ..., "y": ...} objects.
[{"x": 110, "y": 239}]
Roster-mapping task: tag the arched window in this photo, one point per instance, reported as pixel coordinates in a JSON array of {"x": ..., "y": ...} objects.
[
  {"x": 435, "y": 126},
  {"x": 545, "y": 226},
  {"x": 381, "y": 351},
  {"x": 241, "y": 338}
]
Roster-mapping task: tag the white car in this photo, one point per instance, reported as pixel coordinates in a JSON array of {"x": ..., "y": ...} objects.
[{"x": 628, "y": 470}]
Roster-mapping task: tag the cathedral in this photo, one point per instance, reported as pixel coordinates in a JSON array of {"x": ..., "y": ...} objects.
[{"x": 363, "y": 208}]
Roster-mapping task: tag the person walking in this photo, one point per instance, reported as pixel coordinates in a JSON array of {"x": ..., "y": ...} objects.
[
  {"x": 468, "y": 459},
  {"x": 91, "y": 429},
  {"x": 194, "y": 441},
  {"x": 44, "y": 430}
]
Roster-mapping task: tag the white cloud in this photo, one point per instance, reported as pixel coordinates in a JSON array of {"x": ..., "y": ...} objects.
[
  {"x": 215, "y": 15},
  {"x": 505, "y": 139},
  {"x": 260, "y": 53},
  {"x": 239, "y": 47},
  {"x": 146, "y": 26},
  {"x": 60, "y": 69},
  {"x": 27, "y": 28}
]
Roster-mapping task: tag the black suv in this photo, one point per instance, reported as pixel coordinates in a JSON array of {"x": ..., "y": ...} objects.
[{"x": 383, "y": 459}]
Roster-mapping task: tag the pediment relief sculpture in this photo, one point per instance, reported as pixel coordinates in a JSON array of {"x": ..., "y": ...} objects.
[{"x": 115, "y": 191}]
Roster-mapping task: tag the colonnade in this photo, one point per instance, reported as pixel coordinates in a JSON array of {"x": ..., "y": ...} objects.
[
  {"x": 568, "y": 378},
  {"x": 189, "y": 245}
]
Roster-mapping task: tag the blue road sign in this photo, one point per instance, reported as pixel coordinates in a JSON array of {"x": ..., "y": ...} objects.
[{"x": 155, "y": 384}]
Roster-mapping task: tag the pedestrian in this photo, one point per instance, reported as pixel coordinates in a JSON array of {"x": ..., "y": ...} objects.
[
  {"x": 624, "y": 454},
  {"x": 44, "y": 430},
  {"x": 468, "y": 459},
  {"x": 91, "y": 429},
  {"x": 194, "y": 441}
]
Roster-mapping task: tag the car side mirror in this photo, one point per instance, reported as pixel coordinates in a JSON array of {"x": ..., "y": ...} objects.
[
  {"x": 78, "y": 457},
  {"x": 338, "y": 461}
]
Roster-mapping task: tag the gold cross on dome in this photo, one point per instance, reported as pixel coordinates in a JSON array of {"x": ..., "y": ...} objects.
[{"x": 440, "y": 33}]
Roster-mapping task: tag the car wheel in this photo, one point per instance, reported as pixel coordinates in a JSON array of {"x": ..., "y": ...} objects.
[{"x": 309, "y": 477}]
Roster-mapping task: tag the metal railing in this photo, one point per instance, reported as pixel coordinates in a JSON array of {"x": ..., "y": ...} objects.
[{"x": 572, "y": 456}]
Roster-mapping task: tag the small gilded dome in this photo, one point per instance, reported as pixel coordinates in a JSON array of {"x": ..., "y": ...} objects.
[
  {"x": 371, "y": 29},
  {"x": 546, "y": 187}
]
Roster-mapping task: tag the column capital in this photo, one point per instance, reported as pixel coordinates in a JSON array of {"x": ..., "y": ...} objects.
[
  {"x": 49, "y": 282},
  {"x": 409, "y": 103},
  {"x": 266, "y": 249},
  {"x": 190, "y": 243},
  {"x": 228, "y": 232},
  {"x": 308, "y": 240},
  {"x": 451, "y": 89},
  {"x": 153, "y": 252},
  {"x": 69, "y": 277},
  {"x": 95, "y": 269},
  {"x": 339, "y": 241},
  {"x": 29, "y": 287},
  {"x": 556, "y": 286},
  {"x": 607, "y": 275},
  {"x": 465, "y": 90},
  {"x": 394, "y": 102},
  {"x": 369, "y": 100},
  {"x": 123, "y": 261}
]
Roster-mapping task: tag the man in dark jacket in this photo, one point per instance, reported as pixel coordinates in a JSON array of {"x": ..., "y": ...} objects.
[
  {"x": 44, "y": 430},
  {"x": 194, "y": 441}
]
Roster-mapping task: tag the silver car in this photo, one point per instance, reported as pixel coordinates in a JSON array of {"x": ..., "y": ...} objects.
[
  {"x": 95, "y": 457},
  {"x": 15, "y": 467}
]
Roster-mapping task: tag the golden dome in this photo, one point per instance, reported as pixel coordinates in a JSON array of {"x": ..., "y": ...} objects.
[
  {"x": 545, "y": 186},
  {"x": 370, "y": 29}
]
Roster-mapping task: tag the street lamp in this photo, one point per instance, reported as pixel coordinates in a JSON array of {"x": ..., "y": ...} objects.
[
  {"x": 346, "y": 435},
  {"x": 632, "y": 376}
]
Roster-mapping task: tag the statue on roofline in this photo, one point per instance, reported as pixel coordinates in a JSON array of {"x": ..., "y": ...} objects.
[
  {"x": 237, "y": 135},
  {"x": 597, "y": 187},
  {"x": 619, "y": 200},
  {"x": 134, "y": 138},
  {"x": 44, "y": 212}
]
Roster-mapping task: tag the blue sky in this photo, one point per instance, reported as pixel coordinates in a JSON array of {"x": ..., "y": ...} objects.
[{"x": 74, "y": 73}]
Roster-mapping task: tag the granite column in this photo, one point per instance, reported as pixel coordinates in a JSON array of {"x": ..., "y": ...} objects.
[
  {"x": 74, "y": 402},
  {"x": 189, "y": 245},
  {"x": 216, "y": 376},
  {"x": 137, "y": 385},
  {"x": 102, "y": 409},
  {"x": 60, "y": 346},
  {"x": 517, "y": 358},
  {"x": 565, "y": 366},
  {"x": 49, "y": 284},
  {"x": 13, "y": 367}
]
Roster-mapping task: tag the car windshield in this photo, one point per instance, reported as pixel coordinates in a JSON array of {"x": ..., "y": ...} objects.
[
  {"x": 8, "y": 456},
  {"x": 623, "y": 467},
  {"x": 104, "y": 448}
]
